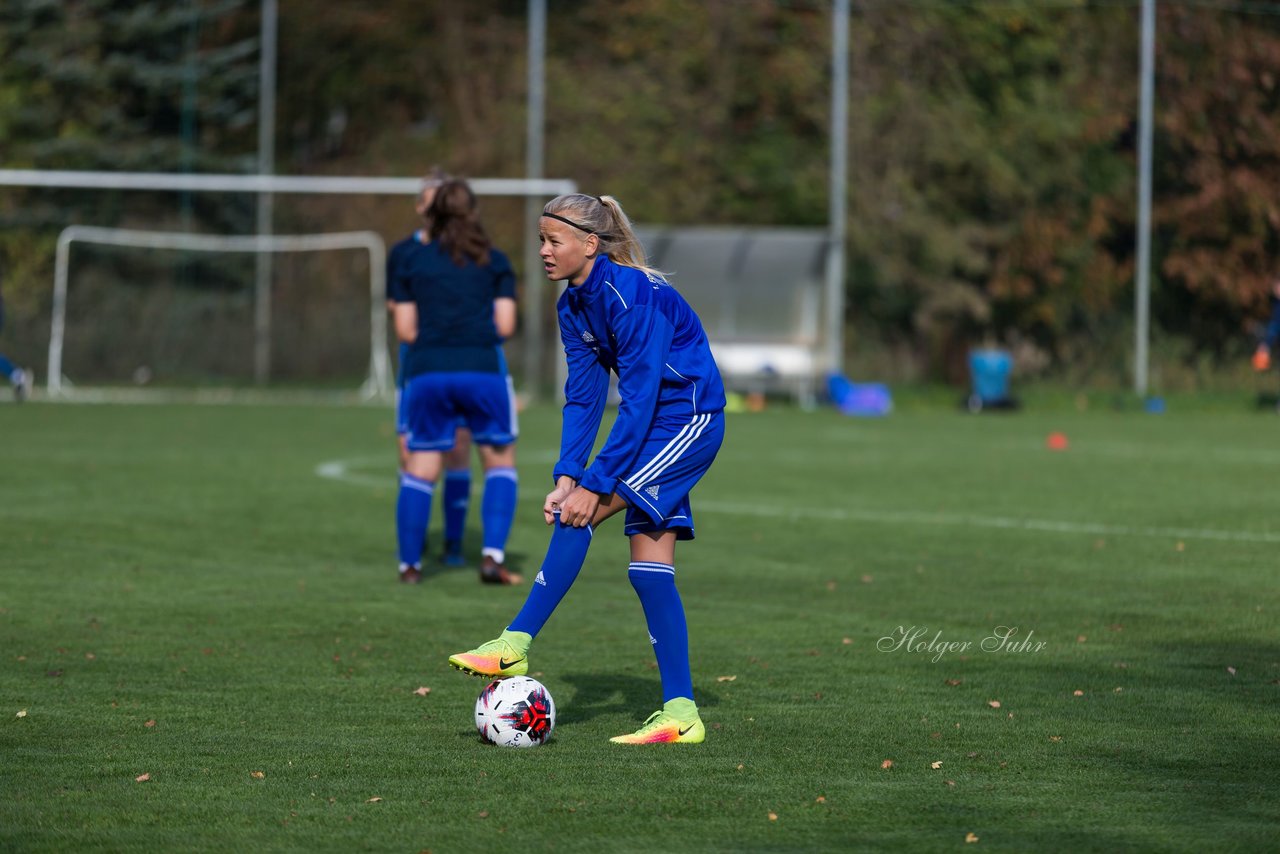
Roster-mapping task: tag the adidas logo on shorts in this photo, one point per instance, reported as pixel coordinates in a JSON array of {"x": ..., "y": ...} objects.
[
  {"x": 588, "y": 337},
  {"x": 652, "y": 490}
]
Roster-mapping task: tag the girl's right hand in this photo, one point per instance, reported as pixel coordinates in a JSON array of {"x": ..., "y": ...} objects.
[{"x": 555, "y": 497}]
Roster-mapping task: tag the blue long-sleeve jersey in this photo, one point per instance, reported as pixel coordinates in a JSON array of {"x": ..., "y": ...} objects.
[{"x": 622, "y": 320}]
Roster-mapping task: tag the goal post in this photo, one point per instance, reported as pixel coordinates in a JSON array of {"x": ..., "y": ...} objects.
[{"x": 378, "y": 382}]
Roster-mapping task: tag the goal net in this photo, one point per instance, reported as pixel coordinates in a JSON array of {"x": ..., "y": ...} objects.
[
  {"x": 158, "y": 287},
  {"x": 193, "y": 320}
]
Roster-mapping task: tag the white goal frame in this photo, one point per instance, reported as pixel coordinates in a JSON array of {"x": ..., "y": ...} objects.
[{"x": 378, "y": 383}]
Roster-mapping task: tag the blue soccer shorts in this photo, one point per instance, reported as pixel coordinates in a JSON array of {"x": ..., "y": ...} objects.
[
  {"x": 438, "y": 403},
  {"x": 672, "y": 459},
  {"x": 402, "y": 414}
]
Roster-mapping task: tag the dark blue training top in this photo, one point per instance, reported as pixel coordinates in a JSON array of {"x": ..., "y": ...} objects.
[{"x": 455, "y": 308}]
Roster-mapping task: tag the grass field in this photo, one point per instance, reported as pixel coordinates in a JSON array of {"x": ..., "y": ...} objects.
[{"x": 206, "y": 595}]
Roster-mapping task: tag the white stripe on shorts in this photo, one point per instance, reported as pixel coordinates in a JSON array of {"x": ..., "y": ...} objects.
[{"x": 670, "y": 453}]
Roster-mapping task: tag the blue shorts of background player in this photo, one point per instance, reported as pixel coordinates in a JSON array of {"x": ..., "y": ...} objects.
[{"x": 437, "y": 403}]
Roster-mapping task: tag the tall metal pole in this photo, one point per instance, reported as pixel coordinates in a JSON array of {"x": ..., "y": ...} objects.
[
  {"x": 266, "y": 201},
  {"x": 834, "y": 333},
  {"x": 534, "y": 280},
  {"x": 1142, "y": 286}
]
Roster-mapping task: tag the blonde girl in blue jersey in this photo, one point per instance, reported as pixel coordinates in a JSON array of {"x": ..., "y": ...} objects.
[{"x": 618, "y": 315}]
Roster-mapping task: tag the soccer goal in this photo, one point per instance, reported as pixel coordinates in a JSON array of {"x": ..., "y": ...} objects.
[
  {"x": 378, "y": 379},
  {"x": 179, "y": 309}
]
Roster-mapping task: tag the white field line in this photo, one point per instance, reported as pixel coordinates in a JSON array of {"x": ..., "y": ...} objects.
[{"x": 341, "y": 470}]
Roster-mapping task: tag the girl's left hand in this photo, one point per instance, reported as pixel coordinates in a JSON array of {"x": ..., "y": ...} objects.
[{"x": 579, "y": 508}]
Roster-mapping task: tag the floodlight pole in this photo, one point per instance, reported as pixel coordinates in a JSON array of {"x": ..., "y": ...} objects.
[
  {"x": 835, "y": 272},
  {"x": 266, "y": 201},
  {"x": 534, "y": 280},
  {"x": 1142, "y": 286}
]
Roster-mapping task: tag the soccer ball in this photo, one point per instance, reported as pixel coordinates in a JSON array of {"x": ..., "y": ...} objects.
[{"x": 515, "y": 712}]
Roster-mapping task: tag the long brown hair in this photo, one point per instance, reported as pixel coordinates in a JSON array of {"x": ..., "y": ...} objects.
[{"x": 454, "y": 220}]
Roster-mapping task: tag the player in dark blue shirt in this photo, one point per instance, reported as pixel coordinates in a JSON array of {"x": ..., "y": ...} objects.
[
  {"x": 455, "y": 302},
  {"x": 457, "y": 462},
  {"x": 618, "y": 315}
]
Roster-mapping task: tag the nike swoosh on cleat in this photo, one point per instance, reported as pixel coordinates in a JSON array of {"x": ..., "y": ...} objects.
[
  {"x": 503, "y": 664},
  {"x": 685, "y": 731}
]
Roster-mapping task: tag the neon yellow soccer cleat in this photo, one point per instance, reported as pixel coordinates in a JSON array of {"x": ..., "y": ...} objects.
[
  {"x": 662, "y": 727},
  {"x": 497, "y": 658}
]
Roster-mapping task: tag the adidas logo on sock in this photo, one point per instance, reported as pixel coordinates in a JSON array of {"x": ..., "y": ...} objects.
[
  {"x": 652, "y": 639},
  {"x": 653, "y": 491},
  {"x": 540, "y": 579}
]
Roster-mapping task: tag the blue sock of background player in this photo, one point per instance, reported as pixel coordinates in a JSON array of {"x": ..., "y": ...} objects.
[
  {"x": 413, "y": 509},
  {"x": 498, "y": 509},
  {"x": 457, "y": 499}
]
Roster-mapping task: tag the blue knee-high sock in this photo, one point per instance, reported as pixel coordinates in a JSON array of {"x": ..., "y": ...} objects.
[
  {"x": 457, "y": 496},
  {"x": 413, "y": 509},
  {"x": 498, "y": 509},
  {"x": 6, "y": 369},
  {"x": 655, "y": 584},
  {"x": 565, "y": 554}
]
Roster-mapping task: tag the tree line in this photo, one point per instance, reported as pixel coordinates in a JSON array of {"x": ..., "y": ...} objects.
[{"x": 992, "y": 160}]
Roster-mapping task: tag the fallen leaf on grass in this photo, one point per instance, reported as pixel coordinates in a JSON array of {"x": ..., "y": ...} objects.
[
  {"x": 995, "y": 704},
  {"x": 773, "y": 816},
  {"x": 954, "y": 682},
  {"x": 820, "y": 799},
  {"x": 423, "y": 691},
  {"x": 1077, "y": 693},
  {"x": 847, "y": 641},
  {"x": 726, "y": 678},
  {"x": 831, "y": 585},
  {"x": 1181, "y": 546},
  {"x": 22, "y": 713},
  {"x": 374, "y": 801},
  {"x": 1231, "y": 670},
  {"x": 1055, "y": 738},
  {"x": 257, "y": 775},
  {"x": 935, "y": 765},
  {"x": 951, "y": 783},
  {"x": 483, "y": 814},
  {"x": 867, "y": 579},
  {"x": 89, "y": 656},
  {"x": 740, "y": 766},
  {"x": 142, "y": 778},
  {"x": 1081, "y": 638},
  {"x": 149, "y": 724},
  {"x": 887, "y": 764},
  {"x": 971, "y": 837}
]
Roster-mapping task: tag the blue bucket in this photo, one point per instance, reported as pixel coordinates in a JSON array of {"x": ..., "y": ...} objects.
[{"x": 989, "y": 370}]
